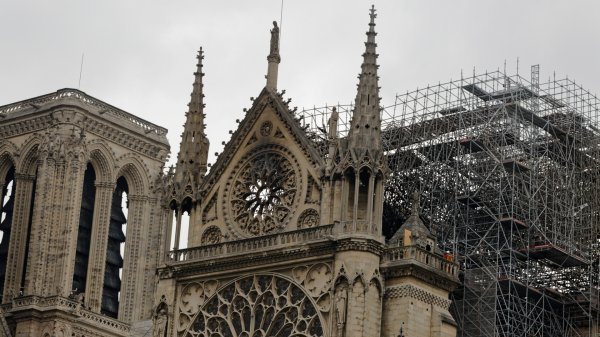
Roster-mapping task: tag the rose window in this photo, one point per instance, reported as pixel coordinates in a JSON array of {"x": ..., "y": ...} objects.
[
  {"x": 257, "y": 306},
  {"x": 263, "y": 193}
]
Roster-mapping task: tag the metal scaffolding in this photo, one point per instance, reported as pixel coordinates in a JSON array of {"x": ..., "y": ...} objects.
[{"x": 509, "y": 173}]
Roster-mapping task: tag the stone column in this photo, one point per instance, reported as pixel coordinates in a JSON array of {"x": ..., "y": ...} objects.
[
  {"x": 177, "y": 227},
  {"x": 97, "y": 258},
  {"x": 18, "y": 240},
  {"x": 356, "y": 196},
  {"x": 68, "y": 226},
  {"x": 40, "y": 227},
  {"x": 378, "y": 205},
  {"x": 133, "y": 246},
  {"x": 167, "y": 218},
  {"x": 153, "y": 253},
  {"x": 370, "y": 197},
  {"x": 344, "y": 201}
]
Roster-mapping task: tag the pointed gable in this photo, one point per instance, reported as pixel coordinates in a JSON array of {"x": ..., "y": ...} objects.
[
  {"x": 266, "y": 179},
  {"x": 268, "y": 102}
]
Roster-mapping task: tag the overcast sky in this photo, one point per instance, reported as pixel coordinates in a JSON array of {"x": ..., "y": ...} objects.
[{"x": 140, "y": 55}]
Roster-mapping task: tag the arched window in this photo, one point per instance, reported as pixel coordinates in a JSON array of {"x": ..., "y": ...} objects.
[
  {"x": 6, "y": 217},
  {"x": 180, "y": 223},
  {"x": 186, "y": 211},
  {"x": 84, "y": 233},
  {"x": 115, "y": 249}
]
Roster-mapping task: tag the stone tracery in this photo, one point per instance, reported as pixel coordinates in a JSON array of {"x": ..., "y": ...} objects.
[
  {"x": 264, "y": 193},
  {"x": 257, "y": 306}
]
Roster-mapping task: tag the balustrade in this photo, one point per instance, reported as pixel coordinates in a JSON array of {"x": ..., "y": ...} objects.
[
  {"x": 401, "y": 253},
  {"x": 245, "y": 246}
]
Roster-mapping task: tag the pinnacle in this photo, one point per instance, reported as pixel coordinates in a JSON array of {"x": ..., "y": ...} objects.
[
  {"x": 193, "y": 150},
  {"x": 366, "y": 120}
]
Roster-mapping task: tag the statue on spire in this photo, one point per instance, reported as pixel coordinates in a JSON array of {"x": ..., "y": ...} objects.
[
  {"x": 274, "y": 40},
  {"x": 273, "y": 58}
]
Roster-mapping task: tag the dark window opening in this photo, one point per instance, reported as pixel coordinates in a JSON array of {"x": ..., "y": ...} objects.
[
  {"x": 114, "y": 252},
  {"x": 6, "y": 217},
  {"x": 84, "y": 232}
]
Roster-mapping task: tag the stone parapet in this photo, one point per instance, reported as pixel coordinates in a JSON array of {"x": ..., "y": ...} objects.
[
  {"x": 257, "y": 244},
  {"x": 100, "y": 323},
  {"x": 403, "y": 254}
]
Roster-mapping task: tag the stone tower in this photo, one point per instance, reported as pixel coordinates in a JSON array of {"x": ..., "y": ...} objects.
[
  {"x": 285, "y": 233},
  {"x": 419, "y": 278},
  {"x": 80, "y": 233},
  {"x": 353, "y": 193}
]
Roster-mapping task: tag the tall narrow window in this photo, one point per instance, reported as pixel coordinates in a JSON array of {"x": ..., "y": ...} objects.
[
  {"x": 6, "y": 217},
  {"x": 115, "y": 247},
  {"x": 84, "y": 232},
  {"x": 186, "y": 209}
]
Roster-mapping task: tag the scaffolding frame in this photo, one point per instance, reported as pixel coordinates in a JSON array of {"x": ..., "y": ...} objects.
[{"x": 509, "y": 173}]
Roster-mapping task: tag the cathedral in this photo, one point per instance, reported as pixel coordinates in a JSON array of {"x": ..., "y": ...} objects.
[{"x": 285, "y": 232}]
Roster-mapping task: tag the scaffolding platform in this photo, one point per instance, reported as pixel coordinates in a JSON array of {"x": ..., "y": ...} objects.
[
  {"x": 514, "y": 166},
  {"x": 555, "y": 254},
  {"x": 508, "y": 284},
  {"x": 472, "y": 145}
]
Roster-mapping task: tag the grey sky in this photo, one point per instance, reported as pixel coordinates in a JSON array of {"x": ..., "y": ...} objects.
[{"x": 140, "y": 55}]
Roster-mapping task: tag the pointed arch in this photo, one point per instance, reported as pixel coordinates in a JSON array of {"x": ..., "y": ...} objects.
[
  {"x": 359, "y": 278},
  {"x": 103, "y": 160},
  {"x": 29, "y": 155},
  {"x": 278, "y": 298},
  {"x": 136, "y": 180},
  {"x": 7, "y": 162}
]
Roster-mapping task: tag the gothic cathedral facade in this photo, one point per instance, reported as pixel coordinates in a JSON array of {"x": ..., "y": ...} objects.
[{"x": 285, "y": 230}]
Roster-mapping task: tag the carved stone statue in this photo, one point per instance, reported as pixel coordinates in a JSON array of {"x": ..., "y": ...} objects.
[
  {"x": 341, "y": 301},
  {"x": 274, "y": 39},
  {"x": 160, "y": 319}
]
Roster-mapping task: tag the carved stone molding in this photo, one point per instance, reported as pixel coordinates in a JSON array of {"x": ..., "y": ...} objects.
[
  {"x": 308, "y": 218},
  {"x": 363, "y": 245},
  {"x": 416, "y": 293},
  {"x": 428, "y": 275}
]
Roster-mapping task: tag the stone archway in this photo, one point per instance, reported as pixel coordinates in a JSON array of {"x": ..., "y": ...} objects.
[{"x": 257, "y": 306}]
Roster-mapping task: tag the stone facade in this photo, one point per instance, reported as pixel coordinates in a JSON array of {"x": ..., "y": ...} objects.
[
  {"x": 285, "y": 230},
  {"x": 54, "y": 276}
]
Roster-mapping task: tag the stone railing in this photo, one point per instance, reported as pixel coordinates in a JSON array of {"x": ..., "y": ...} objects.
[
  {"x": 418, "y": 254},
  {"x": 356, "y": 227},
  {"x": 67, "y": 305},
  {"x": 89, "y": 100},
  {"x": 245, "y": 246}
]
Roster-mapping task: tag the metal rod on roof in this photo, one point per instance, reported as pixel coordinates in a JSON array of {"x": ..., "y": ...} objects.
[{"x": 80, "y": 71}]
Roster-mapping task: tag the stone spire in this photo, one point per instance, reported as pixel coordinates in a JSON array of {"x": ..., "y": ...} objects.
[
  {"x": 193, "y": 150},
  {"x": 365, "y": 129},
  {"x": 273, "y": 58}
]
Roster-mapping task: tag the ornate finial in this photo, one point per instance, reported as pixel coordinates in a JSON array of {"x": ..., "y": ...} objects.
[
  {"x": 372, "y": 15},
  {"x": 416, "y": 200},
  {"x": 273, "y": 58},
  {"x": 200, "y": 55}
]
